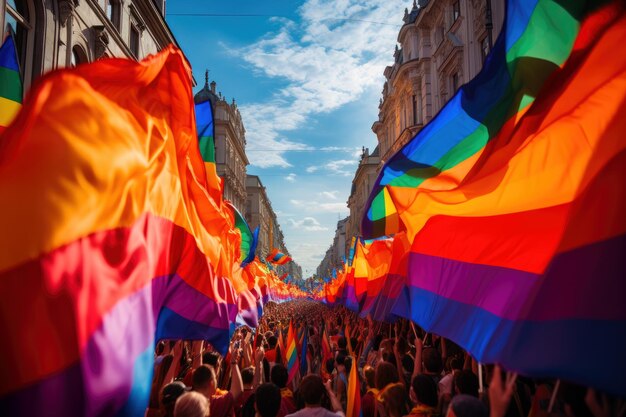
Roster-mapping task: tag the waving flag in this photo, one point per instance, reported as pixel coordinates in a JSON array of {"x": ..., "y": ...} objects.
[
  {"x": 109, "y": 239},
  {"x": 303, "y": 356},
  {"x": 353, "y": 393},
  {"x": 249, "y": 240},
  {"x": 291, "y": 357},
  {"x": 10, "y": 82},
  {"x": 205, "y": 127},
  {"x": 278, "y": 258},
  {"x": 524, "y": 259},
  {"x": 536, "y": 40}
]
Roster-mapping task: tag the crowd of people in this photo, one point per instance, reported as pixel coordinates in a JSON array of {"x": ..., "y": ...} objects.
[{"x": 402, "y": 371}]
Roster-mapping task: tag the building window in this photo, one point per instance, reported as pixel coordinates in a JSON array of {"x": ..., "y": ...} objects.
[
  {"x": 484, "y": 49},
  {"x": 114, "y": 12},
  {"x": 455, "y": 82},
  {"x": 456, "y": 10},
  {"x": 16, "y": 20},
  {"x": 134, "y": 40},
  {"x": 78, "y": 56}
]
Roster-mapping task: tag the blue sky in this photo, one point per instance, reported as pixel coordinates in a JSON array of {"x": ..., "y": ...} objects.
[{"x": 307, "y": 77}]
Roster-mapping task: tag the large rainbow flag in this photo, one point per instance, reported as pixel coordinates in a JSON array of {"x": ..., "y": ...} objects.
[
  {"x": 10, "y": 82},
  {"x": 518, "y": 242},
  {"x": 109, "y": 238},
  {"x": 291, "y": 356}
]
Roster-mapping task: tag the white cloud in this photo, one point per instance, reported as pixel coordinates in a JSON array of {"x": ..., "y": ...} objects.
[
  {"x": 327, "y": 62},
  {"x": 317, "y": 207},
  {"x": 308, "y": 255},
  {"x": 308, "y": 224},
  {"x": 339, "y": 166},
  {"x": 312, "y": 169},
  {"x": 331, "y": 195},
  {"x": 291, "y": 177}
]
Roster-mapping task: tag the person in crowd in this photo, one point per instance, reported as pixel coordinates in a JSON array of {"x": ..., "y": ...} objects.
[
  {"x": 312, "y": 390},
  {"x": 192, "y": 404},
  {"x": 393, "y": 400},
  {"x": 368, "y": 401},
  {"x": 466, "y": 382},
  {"x": 424, "y": 395},
  {"x": 467, "y": 406},
  {"x": 247, "y": 377},
  {"x": 267, "y": 400},
  {"x": 169, "y": 394},
  {"x": 204, "y": 381},
  {"x": 279, "y": 377},
  {"x": 341, "y": 379}
]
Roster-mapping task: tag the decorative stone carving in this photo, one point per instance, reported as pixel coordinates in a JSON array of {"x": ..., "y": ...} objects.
[
  {"x": 66, "y": 8},
  {"x": 101, "y": 39}
]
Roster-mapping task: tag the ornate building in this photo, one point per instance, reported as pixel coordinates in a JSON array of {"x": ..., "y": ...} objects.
[
  {"x": 230, "y": 143},
  {"x": 259, "y": 212},
  {"x": 335, "y": 253},
  {"x": 51, "y": 34},
  {"x": 443, "y": 44},
  {"x": 362, "y": 184}
]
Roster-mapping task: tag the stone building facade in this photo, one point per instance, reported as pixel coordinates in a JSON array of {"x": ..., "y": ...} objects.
[
  {"x": 443, "y": 44},
  {"x": 259, "y": 212},
  {"x": 53, "y": 34},
  {"x": 230, "y": 143},
  {"x": 362, "y": 184},
  {"x": 336, "y": 252}
]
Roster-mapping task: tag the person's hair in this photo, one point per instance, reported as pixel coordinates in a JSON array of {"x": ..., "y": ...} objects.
[
  {"x": 247, "y": 375},
  {"x": 386, "y": 374},
  {"x": 157, "y": 381},
  {"x": 348, "y": 364},
  {"x": 202, "y": 377},
  {"x": 432, "y": 360},
  {"x": 370, "y": 376},
  {"x": 342, "y": 343},
  {"x": 169, "y": 394},
  {"x": 191, "y": 404},
  {"x": 312, "y": 389},
  {"x": 339, "y": 322},
  {"x": 330, "y": 365},
  {"x": 468, "y": 406},
  {"x": 353, "y": 342},
  {"x": 395, "y": 400},
  {"x": 279, "y": 375},
  {"x": 272, "y": 341},
  {"x": 425, "y": 390},
  {"x": 341, "y": 359},
  {"x": 267, "y": 399},
  {"x": 377, "y": 341},
  {"x": 210, "y": 358},
  {"x": 466, "y": 382}
]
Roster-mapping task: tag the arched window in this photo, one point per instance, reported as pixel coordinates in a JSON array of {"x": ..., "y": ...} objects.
[
  {"x": 17, "y": 19},
  {"x": 78, "y": 56}
]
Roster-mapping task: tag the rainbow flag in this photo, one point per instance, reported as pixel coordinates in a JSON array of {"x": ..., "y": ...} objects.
[
  {"x": 109, "y": 237},
  {"x": 291, "y": 356},
  {"x": 278, "y": 258},
  {"x": 395, "y": 281},
  {"x": 249, "y": 239},
  {"x": 353, "y": 393},
  {"x": 10, "y": 83},
  {"x": 303, "y": 352},
  {"x": 536, "y": 39},
  {"x": 523, "y": 262},
  {"x": 205, "y": 127}
]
